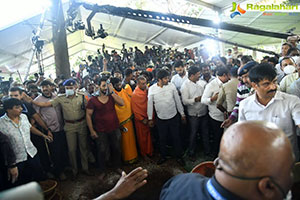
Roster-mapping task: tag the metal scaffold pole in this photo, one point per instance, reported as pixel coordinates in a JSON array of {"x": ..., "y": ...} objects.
[{"x": 34, "y": 49}]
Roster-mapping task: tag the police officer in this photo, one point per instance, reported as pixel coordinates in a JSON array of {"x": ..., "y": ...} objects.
[{"x": 73, "y": 107}]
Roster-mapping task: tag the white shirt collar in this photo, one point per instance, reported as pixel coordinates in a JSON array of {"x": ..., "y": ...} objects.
[
  {"x": 5, "y": 116},
  {"x": 191, "y": 81},
  {"x": 219, "y": 81},
  {"x": 277, "y": 96}
]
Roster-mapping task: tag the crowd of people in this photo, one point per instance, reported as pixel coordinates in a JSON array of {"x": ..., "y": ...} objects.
[{"x": 119, "y": 108}]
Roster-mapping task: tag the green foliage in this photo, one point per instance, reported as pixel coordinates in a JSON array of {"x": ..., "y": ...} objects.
[
  {"x": 31, "y": 77},
  {"x": 18, "y": 80}
]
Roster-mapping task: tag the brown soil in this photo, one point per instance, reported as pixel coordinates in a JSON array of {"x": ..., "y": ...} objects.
[{"x": 89, "y": 187}]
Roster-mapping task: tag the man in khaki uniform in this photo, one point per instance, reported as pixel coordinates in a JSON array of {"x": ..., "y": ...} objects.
[{"x": 73, "y": 107}]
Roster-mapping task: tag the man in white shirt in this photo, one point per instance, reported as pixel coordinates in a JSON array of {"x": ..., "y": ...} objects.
[
  {"x": 268, "y": 104},
  {"x": 181, "y": 75},
  {"x": 191, "y": 94},
  {"x": 209, "y": 98},
  {"x": 165, "y": 99},
  {"x": 16, "y": 127},
  {"x": 284, "y": 52},
  {"x": 285, "y": 83},
  {"x": 206, "y": 73}
]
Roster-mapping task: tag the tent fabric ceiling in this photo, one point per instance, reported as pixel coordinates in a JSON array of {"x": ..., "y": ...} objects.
[{"x": 16, "y": 46}]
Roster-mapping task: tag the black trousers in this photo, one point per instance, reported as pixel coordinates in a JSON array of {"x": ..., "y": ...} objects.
[
  {"x": 39, "y": 143},
  {"x": 3, "y": 177},
  {"x": 169, "y": 129},
  {"x": 29, "y": 170},
  {"x": 199, "y": 124},
  {"x": 58, "y": 158},
  {"x": 217, "y": 133},
  {"x": 58, "y": 152},
  {"x": 109, "y": 149}
]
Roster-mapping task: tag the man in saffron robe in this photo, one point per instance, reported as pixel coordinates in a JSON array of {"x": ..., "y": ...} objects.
[
  {"x": 125, "y": 116},
  {"x": 139, "y": 108}
]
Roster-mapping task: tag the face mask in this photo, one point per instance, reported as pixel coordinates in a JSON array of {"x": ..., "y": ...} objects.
[
  {"x": 69, "y": 92},
  {"x": 213, "y": 67},
  {"x": 289, "y": 69}
]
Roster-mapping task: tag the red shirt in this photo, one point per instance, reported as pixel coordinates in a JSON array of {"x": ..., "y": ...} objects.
[{"x": 104, "y": 116}]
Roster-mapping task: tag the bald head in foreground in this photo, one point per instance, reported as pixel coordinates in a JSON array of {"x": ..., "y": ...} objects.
[{"x": 255, "y": 162}]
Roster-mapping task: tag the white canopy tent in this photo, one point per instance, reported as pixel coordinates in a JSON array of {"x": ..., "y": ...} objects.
[{"x": 16, "y": 46}]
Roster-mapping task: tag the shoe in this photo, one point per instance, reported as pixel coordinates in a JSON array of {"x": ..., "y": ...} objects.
[
  {"x": 62, "y": 177},
  {"x": 161, "y": 161},
  {"x": 88, "y": 173},
  {"x": 181, "y": 161}
]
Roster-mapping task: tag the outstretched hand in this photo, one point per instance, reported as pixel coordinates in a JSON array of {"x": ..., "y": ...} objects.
[
  {"x": 129, "y": 183},
  {"x": 126, "y": 185}
]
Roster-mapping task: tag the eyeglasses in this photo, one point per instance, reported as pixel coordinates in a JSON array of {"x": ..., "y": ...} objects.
[{"x": 218, "y": 167}]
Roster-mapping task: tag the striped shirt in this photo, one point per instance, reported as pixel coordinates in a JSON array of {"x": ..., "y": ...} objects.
[{"x": 242, "y": 93}]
